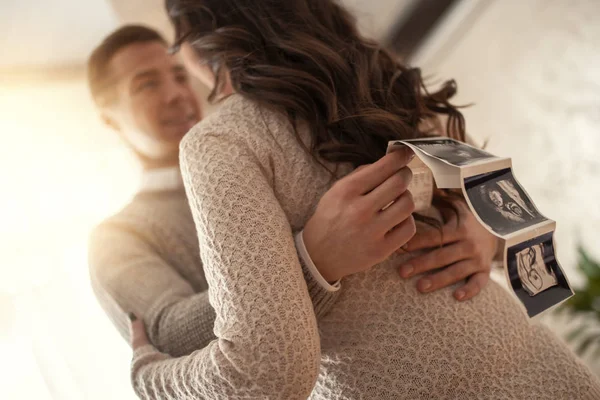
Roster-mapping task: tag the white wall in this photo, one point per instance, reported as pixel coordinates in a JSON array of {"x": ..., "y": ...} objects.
[
  {"x": 46, "y": 33},
  {"x": 376, "y": 17},
  {"x": 62, "y": 172}
]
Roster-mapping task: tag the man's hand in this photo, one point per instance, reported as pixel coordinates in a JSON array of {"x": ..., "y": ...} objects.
[
  {"x": 137, "y": 332},
  {"x": 466, "y": 253}
]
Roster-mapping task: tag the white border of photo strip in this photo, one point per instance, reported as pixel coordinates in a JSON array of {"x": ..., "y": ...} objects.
[{"x": 450, "y": 176}]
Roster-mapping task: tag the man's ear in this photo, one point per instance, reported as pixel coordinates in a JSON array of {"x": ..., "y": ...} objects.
[{"x": 109, "y": 121}]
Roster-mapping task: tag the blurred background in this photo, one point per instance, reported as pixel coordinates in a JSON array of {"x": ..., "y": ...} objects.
[{"x": 531, "y": 69}]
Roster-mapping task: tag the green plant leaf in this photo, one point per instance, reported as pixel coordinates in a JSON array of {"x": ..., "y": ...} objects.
[
  {"x": 575, "y": 334},
  {"x": 590, "y": 339},
  {"x": 590, "y": 268},
  {"x": 587, "y": 298}
]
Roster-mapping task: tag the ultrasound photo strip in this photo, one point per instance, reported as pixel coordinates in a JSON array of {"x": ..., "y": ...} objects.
[
  {"x": 421, "y": 185},
  {"x": 535, "y": 274},
  {"x": 501, "y": 205},
  {"x": 450, "y": 160},
  {"x": 532, "y": 268},
  {"x": 501, "y": 202},
  {"x": 451, "y": 151}
]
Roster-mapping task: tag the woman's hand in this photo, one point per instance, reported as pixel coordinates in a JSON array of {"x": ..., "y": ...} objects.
[
  {"x": 354, "y": 226},
  {"x": 467, "y": 252}
]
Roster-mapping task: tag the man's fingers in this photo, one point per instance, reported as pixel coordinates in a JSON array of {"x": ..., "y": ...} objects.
[
  {"x": 473, "y": 286},
  {"x": 450, "y": 215},
  {"x": 138, "y": 332},
  {"x": 434, "y": 237},
  {"x": 435, "y": 259},
  {"x": 373, "y": 175},
  {"x": 425, "y": 239},
  {"x": 446, "y": 277}
]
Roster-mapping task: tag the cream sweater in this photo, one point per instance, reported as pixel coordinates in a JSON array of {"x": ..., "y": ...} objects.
[
  {"x": 145, "y": 260},
  {"x": 251, "y": 186}
]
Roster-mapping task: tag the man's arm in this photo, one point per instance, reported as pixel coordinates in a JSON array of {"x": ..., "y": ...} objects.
[{"x": 129, "y": 276}]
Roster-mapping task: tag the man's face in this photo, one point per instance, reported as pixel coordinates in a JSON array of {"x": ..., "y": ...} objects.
[{"x": 155, "y": 105}]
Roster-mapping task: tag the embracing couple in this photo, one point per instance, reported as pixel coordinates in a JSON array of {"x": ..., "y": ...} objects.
[{"x": 260, "y": 258}]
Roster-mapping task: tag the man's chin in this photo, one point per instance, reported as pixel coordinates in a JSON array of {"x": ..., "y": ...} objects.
[
  {"x": 178, "y": 132},
  {"x": 175, "y": 135}
]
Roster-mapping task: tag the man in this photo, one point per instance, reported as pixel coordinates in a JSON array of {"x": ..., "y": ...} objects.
[{"x": 145, "y": 259}]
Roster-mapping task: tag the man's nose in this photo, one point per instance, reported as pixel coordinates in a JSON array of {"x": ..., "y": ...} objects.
[{"x": 174, "y": 92}]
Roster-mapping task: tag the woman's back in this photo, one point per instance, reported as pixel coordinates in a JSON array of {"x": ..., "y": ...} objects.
[
  {"x": 404, "y": 344},
  {"x": 383, "y": 339}
]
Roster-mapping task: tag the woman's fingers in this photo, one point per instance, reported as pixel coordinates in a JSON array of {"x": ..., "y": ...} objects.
[
  {"x": 390, "y": 190},
  {"x": 396, "y": 213},
  {"x": 435, "y": 259},
  {"x": 399, "y": 235},
  {"x": 446, "y": 277},
  {"x": 473, "y": 286},
  {"x": 138, "y": 332},
  {"x": 373, "y": 175},
  {"x": 347, "y": 233},
  {"x": 359, "y": 168}
]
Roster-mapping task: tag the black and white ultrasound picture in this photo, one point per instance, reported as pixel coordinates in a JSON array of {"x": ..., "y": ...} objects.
[
  {"x": 533, "y": 272},
  {"x": 536, "y": 276},
  {"x": 451, "y": 151},
  {"x": 501, "y": 203}
]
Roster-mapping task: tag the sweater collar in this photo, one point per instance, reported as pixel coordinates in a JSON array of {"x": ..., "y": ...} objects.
[{"x": 161, "y": 179}]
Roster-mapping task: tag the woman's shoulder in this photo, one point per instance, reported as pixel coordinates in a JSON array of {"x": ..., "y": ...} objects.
[
  {"x": 239, "y": 129},
  {"x": 237, "y": 119}
]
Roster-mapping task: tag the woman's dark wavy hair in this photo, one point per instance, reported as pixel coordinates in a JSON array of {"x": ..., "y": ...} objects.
[{"x": 307, "y": 59}]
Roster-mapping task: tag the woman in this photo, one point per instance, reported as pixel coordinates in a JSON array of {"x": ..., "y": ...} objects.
[{"x": 304, "y": 101}]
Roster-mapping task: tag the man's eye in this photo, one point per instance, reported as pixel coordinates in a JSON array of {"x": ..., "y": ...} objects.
[
  {"x": 148, "y": 85},
  {"x": 181, "y": 79}
]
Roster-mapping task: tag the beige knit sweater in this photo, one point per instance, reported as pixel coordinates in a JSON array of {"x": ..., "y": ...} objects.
[
  {"x": 145, "y": 260},
  {"x": 250, "y": 187}
]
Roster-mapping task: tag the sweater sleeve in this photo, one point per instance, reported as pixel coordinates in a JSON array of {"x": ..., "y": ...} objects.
[
  {"x": 322, "y": 293},
  {"x": 128, "y": 275},
  {"x": 267, "y": 339}
]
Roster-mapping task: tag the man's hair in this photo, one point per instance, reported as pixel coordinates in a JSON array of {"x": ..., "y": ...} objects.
[{"x": 98, "y": 64}]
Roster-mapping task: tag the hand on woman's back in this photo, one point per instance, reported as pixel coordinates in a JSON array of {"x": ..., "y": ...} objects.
[
  {"x": 353, "y": 228},
  {"x": 352, "y": 231}
]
